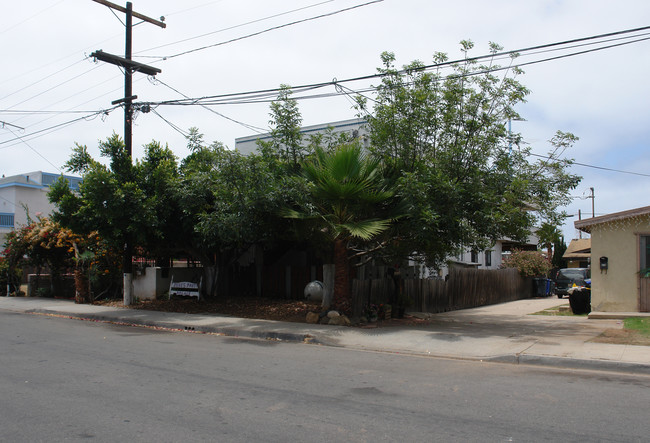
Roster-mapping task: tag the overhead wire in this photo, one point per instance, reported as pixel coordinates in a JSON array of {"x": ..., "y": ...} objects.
[
  {"x": 246, "y": 125},
  {"x": 230, "y": 28},
  {"x": 9, "y": 28},
  {"x": 59, "y": 125},
  {"x": 265, "y": 95},
  {"x": 593, "y": 166},
  {"x": 38, "y": 153},
  {"x": 446, "y": 64},
  {"x": 274, "y": 28},
  {"x": 173, "y": 126}
]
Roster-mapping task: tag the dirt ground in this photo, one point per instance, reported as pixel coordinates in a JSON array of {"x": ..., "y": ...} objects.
[
  {"x": 282, "y": 310},
  {"x": 623, "y": 337},
  {"x": 258, "y": 308}
]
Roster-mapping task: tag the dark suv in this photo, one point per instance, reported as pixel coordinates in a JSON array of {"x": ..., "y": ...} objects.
[{"x": 567, "y": 277}]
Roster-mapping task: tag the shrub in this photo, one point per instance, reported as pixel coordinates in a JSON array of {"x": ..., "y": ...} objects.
[{"x": 528, "y": 263}]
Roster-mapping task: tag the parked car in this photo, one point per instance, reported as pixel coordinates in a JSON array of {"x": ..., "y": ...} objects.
[{"x": 567, "y": 277}]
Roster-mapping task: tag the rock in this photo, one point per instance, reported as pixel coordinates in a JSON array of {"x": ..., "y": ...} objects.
[
  {"x": 341, "y": 320},
  {"x": 312, "y": 317},
  {"x": 333, "y": 314}
]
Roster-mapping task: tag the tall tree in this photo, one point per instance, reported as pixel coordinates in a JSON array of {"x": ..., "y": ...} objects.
[
  {"x": 286, "y": 142},
  {"x": 348, "y": 193},
  {"x": 127, "y": 204},
  {"x": 232, "y": 202},
  {"x": 548, "y": 235},
  {"x": 442, "y": 134}
]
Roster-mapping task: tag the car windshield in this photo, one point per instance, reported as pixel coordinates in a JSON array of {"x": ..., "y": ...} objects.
[{"x": 573, "y": 273}]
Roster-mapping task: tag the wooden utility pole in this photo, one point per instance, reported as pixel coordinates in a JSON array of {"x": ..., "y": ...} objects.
[{"x": 129, "y": 68}]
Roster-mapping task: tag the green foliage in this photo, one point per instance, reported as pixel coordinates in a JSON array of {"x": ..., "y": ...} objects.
[
  {"x": 230, "y": 201},
  {"x": 45, "y": 243},
  {"x": 348, "y": 191},
  {"x": 286, "y": 144},
  {"x": 8, "y": 276},
  {"x": 348, "y": 200},
  {"x": 528, "y": 263},
  {"x": 124, "y": 201},
  {"x": 444, "y": 141},
  {"x": 559, "y": 248}
]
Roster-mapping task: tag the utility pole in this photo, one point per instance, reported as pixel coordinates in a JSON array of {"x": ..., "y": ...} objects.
[
  {"x": 593, "y": 199},
  {"x": 580, "y": 218},
  {"x": 129, "y": 68}
]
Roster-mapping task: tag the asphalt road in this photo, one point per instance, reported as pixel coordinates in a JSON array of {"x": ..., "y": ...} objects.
[{"x": 69, "y": 380}]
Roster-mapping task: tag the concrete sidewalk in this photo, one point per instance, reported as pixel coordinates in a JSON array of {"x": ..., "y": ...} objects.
[{"x": 500, "y": 333}]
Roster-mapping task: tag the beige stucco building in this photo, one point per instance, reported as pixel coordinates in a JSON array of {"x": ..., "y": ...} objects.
[
  {"x": 578, "y": 254},
  {"x": 620, "y": 250}
]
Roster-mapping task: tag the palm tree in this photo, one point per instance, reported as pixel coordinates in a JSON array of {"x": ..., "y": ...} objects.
[
  {"x": 548, "y": 234},
  {"x": 347, "y": 188}
]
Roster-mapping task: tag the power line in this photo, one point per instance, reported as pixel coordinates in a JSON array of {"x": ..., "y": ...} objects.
[
  {"x": 53, "y": 87},
  {"x": 246, "y": 125},
  {"x": 173, "y": 126},
  {"x": 270, "y": 94},
  {"x": 59, "y": 125},
  {"x": 41, "y": 80},
  {"x": 446, "y": 64},
  {"x": 594, "y": 167},
  {"x": 231, "y": 28},
  {"x": 192, "y": 8},
  {"x": 30, "y": 17},
  {"x": 272, "y": 29},
  {"x": 38, "y": 153}
]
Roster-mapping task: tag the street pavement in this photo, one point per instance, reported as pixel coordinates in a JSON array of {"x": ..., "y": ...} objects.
[{"x": 505, "y": 333}]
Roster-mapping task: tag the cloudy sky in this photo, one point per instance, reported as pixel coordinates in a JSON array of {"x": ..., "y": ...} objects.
[{"x": 52, "y": 93}]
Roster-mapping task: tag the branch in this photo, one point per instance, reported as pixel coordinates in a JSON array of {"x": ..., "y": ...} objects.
[{"x": 361, "y": 253}]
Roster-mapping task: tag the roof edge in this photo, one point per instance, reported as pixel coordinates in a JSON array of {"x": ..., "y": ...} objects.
[{"x": 586, "y": 224}]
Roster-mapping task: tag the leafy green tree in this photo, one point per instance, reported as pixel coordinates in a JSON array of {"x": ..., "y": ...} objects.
[
  {"x": 347, "y": 193},
  {"x": 559, "y": 248},
  {"x": 446, "y": 147},
  {"x": 127, "y": 204},
  {"x": 231, "y": 202},
  {"x": 548, "y": 235},
  {"x": 286, "y": 144}
]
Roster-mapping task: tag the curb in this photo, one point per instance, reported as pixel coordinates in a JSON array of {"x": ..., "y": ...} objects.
[
  {"x": 516, "y": 359},
  {"x": 572, "y": 363},
  {"x": 184, "y": 327}
]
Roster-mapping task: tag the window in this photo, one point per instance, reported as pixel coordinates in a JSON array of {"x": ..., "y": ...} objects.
[
  {"x": 474, "y": 257},
  {"x": 6, "y": 220},
  {"x": 488, "y": 258}
]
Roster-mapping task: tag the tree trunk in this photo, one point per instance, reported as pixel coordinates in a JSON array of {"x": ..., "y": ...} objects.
[
  {"x": 342, "y": 297},
  {"x": 210, "y": 280},
  {"x": 82, "y": 287}
]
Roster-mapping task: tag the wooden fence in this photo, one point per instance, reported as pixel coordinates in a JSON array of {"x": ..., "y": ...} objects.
[{"x": 465, "y": 288}]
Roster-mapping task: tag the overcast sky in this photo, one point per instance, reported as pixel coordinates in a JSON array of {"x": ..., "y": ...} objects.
[{"x": 48, "y": 81}]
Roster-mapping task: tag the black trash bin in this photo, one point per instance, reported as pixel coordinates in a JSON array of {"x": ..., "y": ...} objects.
[
  {"x": 539, "y": 287},
  {"x": 580, "y": 301}
]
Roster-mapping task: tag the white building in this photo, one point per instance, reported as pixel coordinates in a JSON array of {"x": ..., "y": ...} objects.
[
  {"x": 25, "y": 194},
  {"x": 491, "y": 258},
  {"x": 355, "y": 127}
]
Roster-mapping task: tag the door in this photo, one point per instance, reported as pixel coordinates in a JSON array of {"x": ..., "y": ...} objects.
[{"x": 644, "y": 274}]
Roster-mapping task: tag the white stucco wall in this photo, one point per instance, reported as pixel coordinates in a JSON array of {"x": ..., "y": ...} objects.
[{"x": 617, "y": 289}]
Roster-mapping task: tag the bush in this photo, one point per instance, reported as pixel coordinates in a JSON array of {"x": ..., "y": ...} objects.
[{"x": 528, "y": 263}]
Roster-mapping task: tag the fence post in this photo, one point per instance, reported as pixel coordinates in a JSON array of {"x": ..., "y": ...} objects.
[{"x": 328, "y": 285}]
